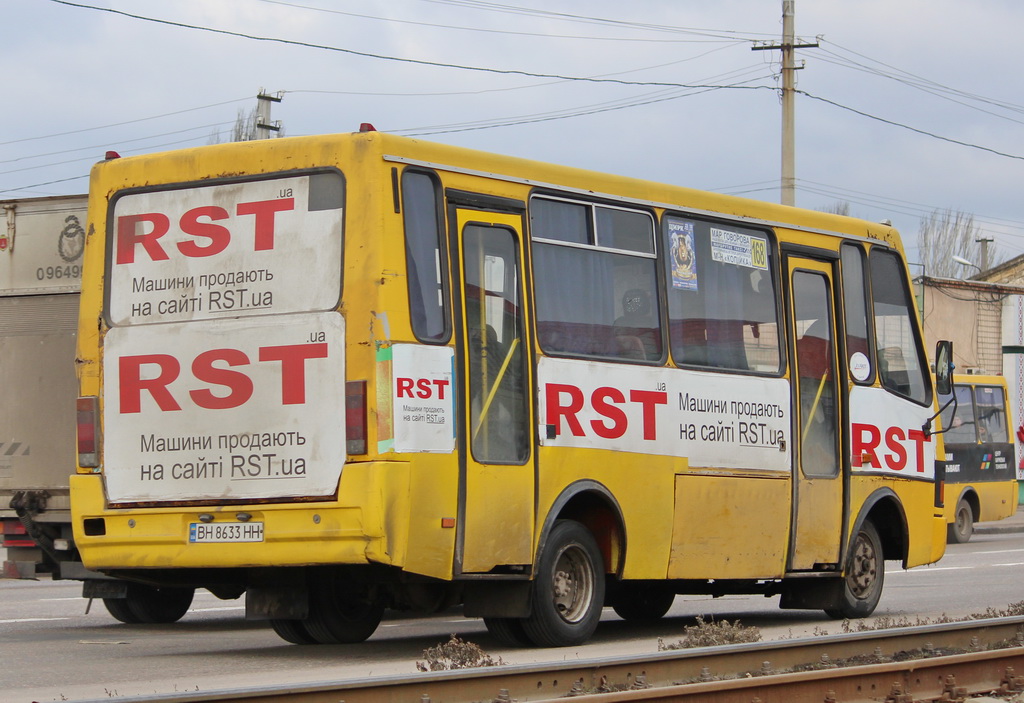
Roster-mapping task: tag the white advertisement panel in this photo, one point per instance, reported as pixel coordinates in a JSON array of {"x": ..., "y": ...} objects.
[
  {"x": 423, "y": 398},
  {"x": 225, "y": 409},
  {"x": 887, "y": 435},
  {"x": 712, "y": 419},
  {"x": 254, "y": 248}
]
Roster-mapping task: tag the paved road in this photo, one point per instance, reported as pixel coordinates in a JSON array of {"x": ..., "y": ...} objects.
[{"x": 51, "y": 650}]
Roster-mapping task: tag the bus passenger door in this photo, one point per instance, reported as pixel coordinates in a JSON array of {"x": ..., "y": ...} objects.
[
  {"x": 817, "y": 514},
  {"x": 496, "y": 486}
]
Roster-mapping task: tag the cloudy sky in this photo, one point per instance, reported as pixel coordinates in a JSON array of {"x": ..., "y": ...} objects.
[{"x": 906, "y": 106}]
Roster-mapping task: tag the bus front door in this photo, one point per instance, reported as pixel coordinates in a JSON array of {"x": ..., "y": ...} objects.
[
  {"x": 496, "y": 486},
  {"x": 817, "y": 514}
]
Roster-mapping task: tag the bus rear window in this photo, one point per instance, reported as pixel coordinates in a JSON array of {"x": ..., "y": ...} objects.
[{"x": 231, "y": 249}]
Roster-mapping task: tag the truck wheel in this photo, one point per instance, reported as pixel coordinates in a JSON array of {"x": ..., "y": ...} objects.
[
  {"x": 865, "y": 574},
  {"x": 960, "y": 530},
  {"x": 568, "y": 591},
  {"x": 158, "y": 605},
  {"x": 642, "y": 602}
]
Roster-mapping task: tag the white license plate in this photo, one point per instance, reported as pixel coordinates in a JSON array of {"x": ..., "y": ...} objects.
[{"x": 225, "y": 532}]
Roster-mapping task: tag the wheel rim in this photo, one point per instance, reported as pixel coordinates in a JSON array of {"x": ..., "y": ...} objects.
[
  {"x": 961, "y": 521},
  {"x": 572, "y": 585},
  {"x": 864, "y": 569}
]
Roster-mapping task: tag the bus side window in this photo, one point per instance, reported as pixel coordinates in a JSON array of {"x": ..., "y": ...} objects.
[
  {"x": 722, "y": 302},
  {"x": 901, "y": 366},
  {"x": 595, "y": 277},
  {"x": 428, "y": 312},
  {"x": 991, "y": 407},
  {"x": 855, "y": 306}
]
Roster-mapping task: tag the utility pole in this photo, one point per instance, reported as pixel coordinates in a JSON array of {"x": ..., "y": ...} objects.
[
  {"x": 789, "y": 68},
  {"x": 264, "y": 126},
  {"x": 984, "y": 241}
]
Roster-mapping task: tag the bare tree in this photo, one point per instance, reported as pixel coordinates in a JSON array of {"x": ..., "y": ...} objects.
[
  {"x": 839, "y": 207},
  {"x": 244, "y": 129},
  {"x": 944, "y": 234}
]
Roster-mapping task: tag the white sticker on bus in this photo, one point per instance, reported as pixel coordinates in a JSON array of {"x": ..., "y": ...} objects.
[
  {"x": 423, "y": 398},
  {"x": 224, "y": 250},
  {"x": 713, "y": 419},
  {"x": 225, "y": 409}
]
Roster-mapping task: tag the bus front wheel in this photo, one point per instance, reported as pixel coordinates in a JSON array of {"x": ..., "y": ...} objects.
[
  {"x": 568, "y": 592},
  {"x": 865, "y": 574},
  {"x": 960, "y": 530}
]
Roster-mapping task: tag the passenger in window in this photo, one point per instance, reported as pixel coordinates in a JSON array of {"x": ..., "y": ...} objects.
[{"x": 636, "y": 330}]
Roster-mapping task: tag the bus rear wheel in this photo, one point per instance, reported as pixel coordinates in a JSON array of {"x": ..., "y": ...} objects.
[
  {"x": 962, "y": 528},
  {"x": 861, "y": 586},
  {"x": 568, "y": 592},
  {"x": 293, "y": 631},
  {"x": 642, "y": 602},
  {"x": 508, "y": 631},
  {"x": 150, "y": 605},
  {"x": 341, "y": 612}
]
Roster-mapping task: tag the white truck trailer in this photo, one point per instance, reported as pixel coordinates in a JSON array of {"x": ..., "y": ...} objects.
[{"x": 40, "y": 278}]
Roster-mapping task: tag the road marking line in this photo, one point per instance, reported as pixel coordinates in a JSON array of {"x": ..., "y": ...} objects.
[{"x": 8, "y": 622}]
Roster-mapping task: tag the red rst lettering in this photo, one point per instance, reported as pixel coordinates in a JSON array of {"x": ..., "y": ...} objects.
[
  {"x": 919, "y": 439},
  {"x": 556, "y": 411},
  {"x": 897, "y": 459},
  {"x": 865, "y": 440},
  {"x": 404, "y": 387},
  {"x": 649, "y": 399},
  {"x": 131, "y": 384},
  {"x": 600, "y": 401},
  {"x": 128, "y": 236},
  {"x": 239, "y": 384},
  {"x": 265, "y": 211},
  {"x": 218, "y": 235},
  {"x": 293, "y": 367}
]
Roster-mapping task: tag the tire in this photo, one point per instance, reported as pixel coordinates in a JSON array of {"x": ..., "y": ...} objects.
[
  {"x": 293, "y": 631},
  {"x": 341, "y": 612},
  {"x": 642, "y": 602},
  {"x": 864, "y": 576},
  {"x": 568, "y": 591},
  {"x": 508, "y": 631},
  {"x": 118, "y": 607},
  {"x": 962, "y": 528},
  {"x": 152, "y": 605}
]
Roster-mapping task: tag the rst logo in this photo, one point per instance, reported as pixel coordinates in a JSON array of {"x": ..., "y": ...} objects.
[
  {"x": 229, "y": 375},
  {"x": 610, "y": 409},
  {"x": 422, "y": 388},
  {"x": 888, "y": 448},
  {"x": 211, "y": 228}
]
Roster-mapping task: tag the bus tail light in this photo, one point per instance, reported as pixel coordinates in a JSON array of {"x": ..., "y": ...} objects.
[
  {"x": 355, "y": 417},
  {"x": 940, "y": 484},
  {"x": 88, "y": 420}
]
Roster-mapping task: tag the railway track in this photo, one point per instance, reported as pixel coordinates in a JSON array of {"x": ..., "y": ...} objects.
[{"x": 942, "y": 662}]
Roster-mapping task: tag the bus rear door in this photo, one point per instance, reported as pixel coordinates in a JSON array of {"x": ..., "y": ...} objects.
[{"x": 496, "y": 487}]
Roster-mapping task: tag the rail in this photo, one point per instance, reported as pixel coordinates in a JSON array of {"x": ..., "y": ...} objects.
[{"x": 900, "y": 665}]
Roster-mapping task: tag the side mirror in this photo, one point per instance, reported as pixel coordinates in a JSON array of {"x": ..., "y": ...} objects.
[{"x": 944, "y": 367}]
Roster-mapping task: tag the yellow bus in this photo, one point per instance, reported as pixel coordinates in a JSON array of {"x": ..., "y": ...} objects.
[
  {"x": 981, "y": 478},
  {"x": 358, "y": 372}
]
